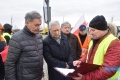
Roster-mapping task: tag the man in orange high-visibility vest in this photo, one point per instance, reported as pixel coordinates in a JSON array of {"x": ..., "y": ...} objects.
[{"x": 84, "y": 39}]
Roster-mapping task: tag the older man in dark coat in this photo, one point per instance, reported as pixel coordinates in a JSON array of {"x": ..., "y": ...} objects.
[
  {"x": 57, "y": 52},
  {"x": 73, "y": 40}
]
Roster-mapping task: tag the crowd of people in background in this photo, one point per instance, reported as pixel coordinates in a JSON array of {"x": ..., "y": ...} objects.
[
  {"x": 22, "y": 54},
  {"x": 2, "y": 46},
  {"x": 5, "y": 36}
]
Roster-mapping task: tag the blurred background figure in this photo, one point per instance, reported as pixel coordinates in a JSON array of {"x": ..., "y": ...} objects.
[
  {"x": 2, "y": 48},
  {"x": 112, "y": 28},
  {"x": 7, "y": 32},
  {"x": 65, "y": 29},
  {"x": 84, "y": 39}
]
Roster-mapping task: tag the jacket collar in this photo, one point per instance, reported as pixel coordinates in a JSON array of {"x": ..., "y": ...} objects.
[
  {"x": 53, "y": 41},
  {"x": 27, "y": 31}
]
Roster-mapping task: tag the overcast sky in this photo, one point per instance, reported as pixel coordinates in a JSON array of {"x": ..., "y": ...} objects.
[{"x": 61, "y": 10}]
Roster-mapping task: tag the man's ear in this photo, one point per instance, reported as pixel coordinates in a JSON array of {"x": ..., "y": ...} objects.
[{"x": 26, "y": 22}]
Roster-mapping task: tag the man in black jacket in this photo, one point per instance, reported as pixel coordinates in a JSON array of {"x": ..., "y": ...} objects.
[
  {"x": 73, "y": 40},
  {"x": 57, "y": 52},
  {"x": 25, "y": 54}
]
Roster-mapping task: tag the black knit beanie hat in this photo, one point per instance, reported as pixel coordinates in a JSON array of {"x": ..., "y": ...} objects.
[
  {"x": 99, "y": 23},
  {"x": 8, "y": 28}
]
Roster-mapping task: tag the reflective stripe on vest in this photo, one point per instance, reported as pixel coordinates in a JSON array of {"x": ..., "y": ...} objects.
[
  {"x": 4, "y": 38},
  {"x": 101, "y": 51},
  {"x": 85, "y": 44},
  {"x": 6, "y": 34}
]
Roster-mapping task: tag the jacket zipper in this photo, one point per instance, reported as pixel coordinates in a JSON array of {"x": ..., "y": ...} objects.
[{"x": 37, "y": 52}]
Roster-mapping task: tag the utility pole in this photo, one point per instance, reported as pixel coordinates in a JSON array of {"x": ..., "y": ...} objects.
[
  {"x": 112, "y": 19},
  {"x": 47, "y": 12},
  {"x": 63, "y": 18},
  {"x": 11, "y": 20}
]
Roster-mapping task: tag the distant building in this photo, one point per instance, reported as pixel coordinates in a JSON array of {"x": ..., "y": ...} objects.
[{"x": 15, "y": 30}]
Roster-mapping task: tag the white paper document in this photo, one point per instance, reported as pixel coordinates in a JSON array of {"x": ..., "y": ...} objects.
[{"x": 64, "y": 71}]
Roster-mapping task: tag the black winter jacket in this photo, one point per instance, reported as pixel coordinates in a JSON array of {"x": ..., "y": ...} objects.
[{"x": 25, "y": 56}]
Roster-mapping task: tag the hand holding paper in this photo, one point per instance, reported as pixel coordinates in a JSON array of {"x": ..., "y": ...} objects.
[
  {"x": 83, "y": 69},
  {"x": 77, "y": 63}
]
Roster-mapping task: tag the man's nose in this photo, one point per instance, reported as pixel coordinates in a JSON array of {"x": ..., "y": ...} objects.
[{"x": 67, "y": 28}]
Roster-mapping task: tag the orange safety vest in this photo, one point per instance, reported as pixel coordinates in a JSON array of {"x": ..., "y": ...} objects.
[{"x": 85, "y": 44}]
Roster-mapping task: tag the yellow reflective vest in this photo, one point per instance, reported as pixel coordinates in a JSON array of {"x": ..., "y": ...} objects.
[
  {"x": 3, "y": 38},
  {"x": 101, "y": 51},
  {"x": 6, "y": 34}
]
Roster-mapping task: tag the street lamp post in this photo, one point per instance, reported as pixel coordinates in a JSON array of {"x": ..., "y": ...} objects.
[{"x": 47, "y": 12}]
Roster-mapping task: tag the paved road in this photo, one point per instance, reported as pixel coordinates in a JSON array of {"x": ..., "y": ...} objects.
[
  {"x": 45, "y": 66},
  {"x": 45, "y": 71}
]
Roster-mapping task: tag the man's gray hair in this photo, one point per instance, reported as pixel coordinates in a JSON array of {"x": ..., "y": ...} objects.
[
  {"x": 30, "y": 16},
  {"x": 65, "y": 24},
  {"x": 54, "y": 23}
]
